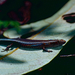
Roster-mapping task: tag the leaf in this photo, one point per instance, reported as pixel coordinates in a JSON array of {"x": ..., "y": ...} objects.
[
  {"x": 15, "y": 24},
  {"x": 5, "y": 23},
  {"x": 1, "y": 23},
  {"x": 56, "y": 28}
]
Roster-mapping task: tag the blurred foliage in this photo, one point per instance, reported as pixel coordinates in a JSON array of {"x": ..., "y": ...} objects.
[
  {"x": 5, "y": 24},
  {"x": 15, "y": 24}
]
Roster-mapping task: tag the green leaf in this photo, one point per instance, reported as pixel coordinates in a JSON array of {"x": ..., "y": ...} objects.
[
  {"x": 15, "y": 24},
  {"x": 6, "y": 23},
  {"x": 1, "y": 23}
]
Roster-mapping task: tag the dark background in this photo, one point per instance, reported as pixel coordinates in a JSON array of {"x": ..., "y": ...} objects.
[{"x": 42, "y": 9}]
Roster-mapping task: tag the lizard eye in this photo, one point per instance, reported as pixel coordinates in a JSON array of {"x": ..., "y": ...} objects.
[{"x": 62, "y": 41}]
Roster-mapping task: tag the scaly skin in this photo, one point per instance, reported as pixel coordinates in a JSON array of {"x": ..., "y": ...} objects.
[{"x": 35, "y": 43}]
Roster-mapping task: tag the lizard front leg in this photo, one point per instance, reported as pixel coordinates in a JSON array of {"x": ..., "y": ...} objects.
[{"x": 44, "y": 49}]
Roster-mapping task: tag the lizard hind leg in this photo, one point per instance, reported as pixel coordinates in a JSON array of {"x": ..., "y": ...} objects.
[
  {"x": 7, "y": 48},
  {"x": 45, "y": 50}
]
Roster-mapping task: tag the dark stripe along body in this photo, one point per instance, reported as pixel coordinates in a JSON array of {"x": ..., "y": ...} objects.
[{"x": 36, "y": 43}]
